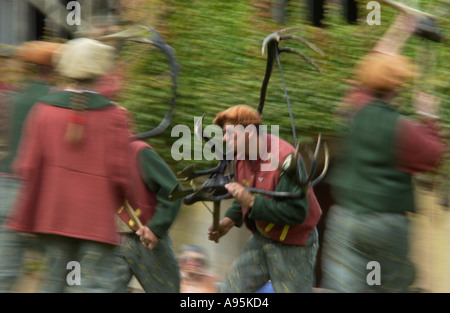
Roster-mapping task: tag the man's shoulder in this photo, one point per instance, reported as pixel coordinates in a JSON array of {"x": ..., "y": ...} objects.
[{"x": 283, "y": 147}]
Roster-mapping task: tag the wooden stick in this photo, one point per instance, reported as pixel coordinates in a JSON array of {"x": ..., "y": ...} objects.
[
  {"x": 132, "y": 214},
  {"x": 216, "y": 215}
]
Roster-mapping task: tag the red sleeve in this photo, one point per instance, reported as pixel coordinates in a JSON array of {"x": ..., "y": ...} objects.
[{"x": 419, "y": 146}]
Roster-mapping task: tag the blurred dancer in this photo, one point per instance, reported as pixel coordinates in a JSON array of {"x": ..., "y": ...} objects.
[
  {"x": 284, "y": 243},
  {"x": 391, "y": 43},
  {"x": 74, "y": 160},
  {"x": 194, "y": 275},
  {"x": 149, "y": 257},
  {"x": 373, "y": 185},
  {"x": 36, "y": 57}
]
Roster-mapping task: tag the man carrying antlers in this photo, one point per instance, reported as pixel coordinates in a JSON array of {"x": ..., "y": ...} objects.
[{"x": 284, "y": 243}]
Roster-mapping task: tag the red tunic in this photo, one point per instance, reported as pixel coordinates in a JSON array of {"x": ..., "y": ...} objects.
[
  {"x": 71, "y": 190},
  {"x": 142, "y": 200},
  {"x": 250, "y": 174}
]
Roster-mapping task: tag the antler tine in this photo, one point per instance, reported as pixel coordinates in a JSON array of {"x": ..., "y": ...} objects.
[
  {"x": 274, "y": 36},
  {"x": 312, "y": 169},
  {"x": 296, "y": 162},
  {"x": 305, "y": 42},
  {"x": 295, "y": 157},
  {"x": 325, "y": 167},
  {"x": 304, "y": 56},
  {"x": 289, "y": 30},
  {"x": 187, "y": 171},
  {"x": 277, "y": 36},
  {"x": 132, "y": 32}
]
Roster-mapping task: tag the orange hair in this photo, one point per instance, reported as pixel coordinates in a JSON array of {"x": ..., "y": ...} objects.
[
  {"x": 38, "y": 52},
  {"x": 381, "y": 72},
  {"x": 238, "y": 115}
]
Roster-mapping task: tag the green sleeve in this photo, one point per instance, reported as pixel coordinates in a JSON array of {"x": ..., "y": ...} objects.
[
  {"x": 235, "y": 213},
  {"x": 281, "y": 211},
  {"x": 161, "y": 180}
]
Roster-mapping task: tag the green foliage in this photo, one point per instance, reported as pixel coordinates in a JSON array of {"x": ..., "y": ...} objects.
[{"x": 218, "y": 46}]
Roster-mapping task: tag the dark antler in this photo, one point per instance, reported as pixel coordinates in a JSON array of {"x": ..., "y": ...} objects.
[
  {"x": 135, "y": 34},
  {"x": 170, "y": 55},
  {"x": 271, "y": 45}
]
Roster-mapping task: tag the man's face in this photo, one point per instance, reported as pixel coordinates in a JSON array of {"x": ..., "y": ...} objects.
[{"x": 236, "y": 139}]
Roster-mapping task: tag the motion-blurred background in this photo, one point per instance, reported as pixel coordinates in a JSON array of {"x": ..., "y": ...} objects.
[{"x": 218, "y": 47}]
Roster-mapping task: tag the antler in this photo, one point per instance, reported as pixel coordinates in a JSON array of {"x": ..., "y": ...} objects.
[
  {"x": 135, "y": 34},
  {"x": 271, "y": 44},
  {"x": 293, "y": 166}
]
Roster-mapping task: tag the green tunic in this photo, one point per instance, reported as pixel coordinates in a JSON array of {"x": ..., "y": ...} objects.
[
  {"x": 370, "y": 181},
  {"x": 160, "y": 179},
  {"x": 22, "y": 106}
]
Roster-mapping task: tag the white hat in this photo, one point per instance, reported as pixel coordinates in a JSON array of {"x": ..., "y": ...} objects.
[{"x": 84, "y": 58}]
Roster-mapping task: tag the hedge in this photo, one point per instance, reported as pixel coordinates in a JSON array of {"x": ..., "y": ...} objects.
[{"x": 218, "y": 46}]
